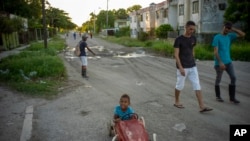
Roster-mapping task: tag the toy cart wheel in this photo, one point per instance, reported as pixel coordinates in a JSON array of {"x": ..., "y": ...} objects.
[
  {"x": 143, "y": 121},
  {"x": 114, "y": 138},
  {"x": 154, "y": 137},
  {"x": 110, "y": 126}
]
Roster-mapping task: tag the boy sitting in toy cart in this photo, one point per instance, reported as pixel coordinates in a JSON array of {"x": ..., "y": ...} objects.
[
  {"x": 123, "y": 111},
  {"x": 126, "y": 126}
]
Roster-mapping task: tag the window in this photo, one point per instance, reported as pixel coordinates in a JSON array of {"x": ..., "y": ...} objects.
[
  {"x": 146, "y": 16},
  {"x": 141, "y": 17},
  {"x": 181, "y": 9},
  {"x": 157, "y": 14},
  {"x": 165, "y": 13},
  {"x": 195, "y": 7}
]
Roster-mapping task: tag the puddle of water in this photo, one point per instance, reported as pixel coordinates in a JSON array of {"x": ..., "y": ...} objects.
[
  {"x": 132, "y": 55},
  {"x": 179, "y": 127},
  {"x": 100, "y": 48},
  {"x": 139, "y": 83},
  {"x": 88, "y": 86},
  {"x": 94, "y": 58}
]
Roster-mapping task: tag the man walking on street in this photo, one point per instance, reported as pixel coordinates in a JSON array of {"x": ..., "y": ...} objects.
[
  {"x": 186, "y": 67},
  {"x": 83, "y": 55},
  {"x": 222, "y": 60}
]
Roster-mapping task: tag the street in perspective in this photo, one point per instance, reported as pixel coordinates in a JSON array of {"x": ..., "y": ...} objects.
[{"x": 83, "y": 109}]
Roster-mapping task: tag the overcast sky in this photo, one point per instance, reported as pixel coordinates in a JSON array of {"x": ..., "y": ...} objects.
[{"x": 79, "y": 10}]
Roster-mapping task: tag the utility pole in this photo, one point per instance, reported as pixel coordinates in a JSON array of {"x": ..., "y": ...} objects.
[
  {"x": 94, "y": 21},
  {"x": 44, "y": 25},
  {"x": 107, "y": 18}
]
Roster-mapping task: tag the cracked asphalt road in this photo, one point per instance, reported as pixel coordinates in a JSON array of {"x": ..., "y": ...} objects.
[{"x": 84, "y": 107}]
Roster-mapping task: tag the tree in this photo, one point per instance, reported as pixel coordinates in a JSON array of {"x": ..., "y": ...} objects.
[
  {"x": 238, "y": 12},
  {"x": 133, "y": 8},
  {"x": 23, "y": 8},
  {"x": 162, "y": 31},
  {"x": 121, "y": 14},
  {"x": 101, "y": 19},
  {"x": 10, "y": 25}
]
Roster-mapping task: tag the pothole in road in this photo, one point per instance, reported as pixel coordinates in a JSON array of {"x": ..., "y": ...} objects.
[
  {"x": 103, "y": 52},
  {"x": 84, "y": 113},
  {"x": 132, "y": 55},
  {"x": 139, "y": 83},
  {"x": 100, "y": 48}
]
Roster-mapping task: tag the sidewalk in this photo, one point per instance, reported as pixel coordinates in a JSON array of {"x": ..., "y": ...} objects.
[
  {"x": 18, "y": 107},
  {"x": 12, "y": 52}
]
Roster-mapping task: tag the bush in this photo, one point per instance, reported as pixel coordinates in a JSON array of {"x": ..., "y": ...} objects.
[
  {"x": 125, "y": 31},
  {"x": 143, "y": 36},
  {"x": 240, "y": 51},
  {"x": 162, "y": 31},
  {"x": 204, "y": 52},
  {"x": 35, "y": 70}
]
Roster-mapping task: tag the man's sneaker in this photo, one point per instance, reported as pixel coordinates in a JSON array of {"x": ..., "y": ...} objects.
[
  {"x": 235, "y": 101},
  {"x": 219, "y": 99}
]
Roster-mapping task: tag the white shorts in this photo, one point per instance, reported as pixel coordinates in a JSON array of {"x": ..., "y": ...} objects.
[
  {"x": 192, "y": 75},
  {"x": 84, "y": 60}
]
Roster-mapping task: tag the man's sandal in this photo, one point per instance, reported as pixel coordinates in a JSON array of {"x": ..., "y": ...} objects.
[
  {"x": 206, "y": 109},
  {"x": 179, "y": 106}
]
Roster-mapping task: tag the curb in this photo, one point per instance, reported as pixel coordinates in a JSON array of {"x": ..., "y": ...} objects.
[{"x": 27, "y": 124}]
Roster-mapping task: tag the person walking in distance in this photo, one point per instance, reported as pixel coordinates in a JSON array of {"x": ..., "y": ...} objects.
[
  {"x": 74, "y": 35},
  {"x": 83, "y": 55},
  {"x": 222, "y": 59},
  {"x": 186, "y": 66}
]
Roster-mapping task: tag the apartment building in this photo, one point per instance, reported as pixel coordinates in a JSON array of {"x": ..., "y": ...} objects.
[{"x": 207, "y": 14}]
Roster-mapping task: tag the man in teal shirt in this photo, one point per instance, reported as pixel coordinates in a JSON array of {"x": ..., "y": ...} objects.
[{"x": 222, "y": 60}]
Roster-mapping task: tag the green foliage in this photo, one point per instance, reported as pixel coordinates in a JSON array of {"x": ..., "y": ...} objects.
[
  {"x": 204, "y": 52},
  {"x": 163, "y": 48},
  {"x": 162, "y": 31},
  {"x": 101, "y": 21},
  {"x": 10, "y": 25},
  {"x": 238, "y": 12},
  {"x": 125, "y": 31},
  {"x": 133, "y": 8},
  {"x": 143, "y": 36},
  {"x": 121, "y": 14},
  {"x": 35, "y": 70},
  {"x": 126, "y": 41},
  {"x": 23, "y": 8},
  {"x": 148, "y": 44},
  {"x": 240, "y": 50}
]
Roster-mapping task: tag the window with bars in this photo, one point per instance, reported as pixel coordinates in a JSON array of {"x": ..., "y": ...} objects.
[
  {"x": 181, "y": 9},
  {"x": 157, "y": 14},
  {"x": 141, "y": 17},
  {"x": 195, "y": 7},
  {"x": 165, "y": 13}
]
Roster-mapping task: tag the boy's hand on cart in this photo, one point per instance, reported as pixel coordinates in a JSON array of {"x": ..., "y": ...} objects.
[
  {"x": 133, "y": 117},
  {"x": 117, "y": 120}
]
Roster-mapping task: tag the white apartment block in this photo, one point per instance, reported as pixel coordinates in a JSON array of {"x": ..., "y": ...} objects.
[{"x": 207, "y": 14}]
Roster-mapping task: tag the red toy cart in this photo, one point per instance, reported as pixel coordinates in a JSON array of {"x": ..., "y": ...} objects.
[{"x": 131, "y": 130}]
